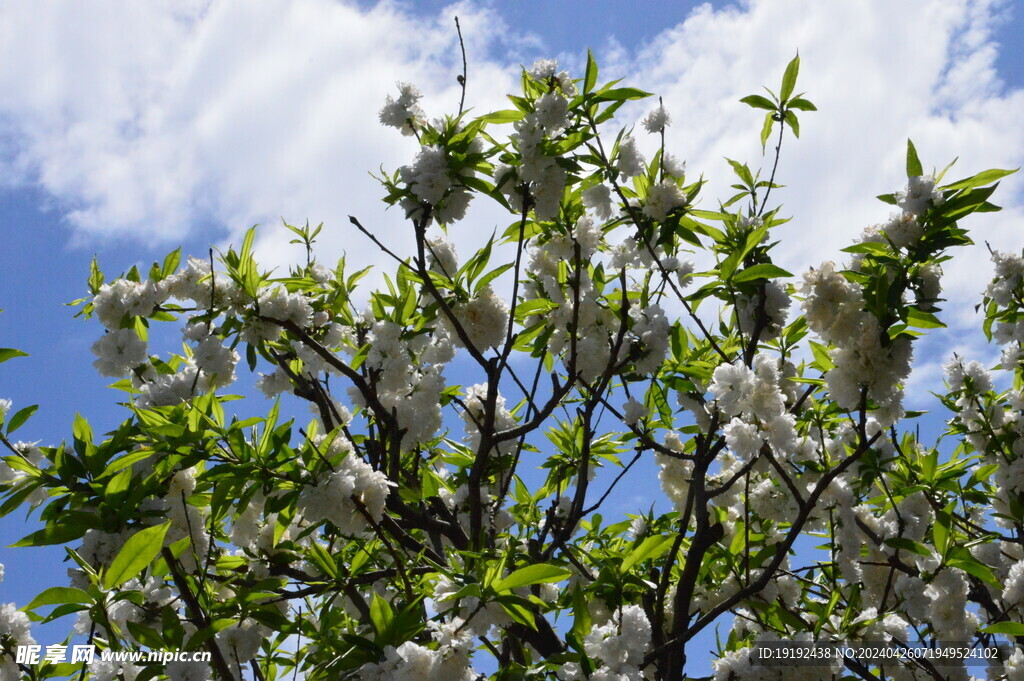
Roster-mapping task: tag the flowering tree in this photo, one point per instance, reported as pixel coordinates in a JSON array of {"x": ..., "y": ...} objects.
[{"x": 404, "y": 533}]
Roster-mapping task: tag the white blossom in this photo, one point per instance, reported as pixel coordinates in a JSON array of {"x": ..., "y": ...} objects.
[
  {"x": 630, "y": 162},
  {"x": 919, "y": 195},
  {"x": 633, "y": 411},
  {"x": 657, "y": 120},
  {"x": 403, "y": 113},
  {"x": 599, "y": 199},
  {"x": 119, "y": 352},
  {"x": 662, "y": 199}
]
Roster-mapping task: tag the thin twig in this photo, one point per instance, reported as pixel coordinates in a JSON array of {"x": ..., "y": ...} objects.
[{"x": 462, "y": 79}]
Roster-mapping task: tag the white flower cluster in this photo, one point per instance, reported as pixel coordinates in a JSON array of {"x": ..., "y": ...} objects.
[
  {"x": 155, "y": 595},
  {"x": 902, "y": 230},
  {"x": 484, "y": 318},
  {"x": 241, "y": 641},
  {"x": 834, "y": 309},
  {"x": 741, "y": 665},
  {"x": 277, "y": 303},
  {"x": 1008, "y": 278},
  {"x": 412, "y": 661},
  {"x": 970, "y": 382},
  {"x": 919, "y": 195},
  {"x": 341, "y": 493},
  {"x": 211, "y": 357},
  {"x": 774, "y": 305},
  {"x": 544, "y": 70},
  {"x": 662, "y": 199},
  {"x": 474, "y": 415},
  {"x": 434, "y": 183},
  {"x": 994, "y": 426},
  {"x": 629, "y": 161},
  {"x": 119, "y": 352},
  {"x": 124, "y": 298},
  {"x": 187, "y": 520},
  {"x": 950, "y": 618},
  {"x": 111, "y": 670},
  {"x": 273, "y": 384},
  {"x": 14, "y": 628},
  {"x": 657, "y": 120},
  {"x": 651, "y": 328},
  {"x": 596, "y": 325},
  {"x": 599, "y": 200},
  {"x": 542, "y": 176},
  {"x": 864, "y": 555},
  {"x": 403, "y": 113},
  {"x": 122, "y": 352},
  {"x": 1005, "y": 290},
  {"x": 633, "y": 411},
  {"x": 619, "y": 643},
  {"x": 428, "y": 177},
  {"x": 194, "y": 282},
  {"x": 442, "y": 257},
  {"x": 674, "y": 474},
  {"x": 161, "y": 390},
  {"x": 33, "y": 455},
  {"x": 482, "y": 617},
  {"x": 754, "y": 400},
  {"x": 180, "y": 670},
  {"x": 410, "y": 378}
]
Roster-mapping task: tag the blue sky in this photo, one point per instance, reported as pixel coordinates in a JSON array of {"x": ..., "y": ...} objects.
[{"x": 127, "y": 129}]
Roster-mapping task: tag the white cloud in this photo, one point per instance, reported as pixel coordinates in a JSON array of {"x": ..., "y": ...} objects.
[
  {"x": 151, "y": 120},
  {"x": 880, "y": 73},
  {"x": 155, "y": 118}
]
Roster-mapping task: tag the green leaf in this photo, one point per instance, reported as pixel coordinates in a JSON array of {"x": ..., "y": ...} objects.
[
  {"x": 590, "y": 75},
  {"x": 119, "y": 483},
  {"x": 59, "y": 595},
  {"x": 766, "y": 130},
  {"x": 982, "y": 178},
  {"x": 793, "y": 123},
  {"x": 138, "y": 552},
  {"x": 95, "y": 277},
  {"x": 801, "y": 104},
  {"x": 540, "y": 573},
  {"x": 908, "y": 545},
  {"x": 789, "y": 78},
  {"x": 581, "y": 613},
  {"x": 10, "y": 353},
  {"x": 621, "y": 94},
  {"x": 517, "y": 612},
  {"x": 765, "y": 270},
  {"x": 381, "y": 614},
  {"x": 491, "y": 276},
  {"x": 20, "y": 417},
  {"x": 54, "y": 534},
  {"x": 822, "y": 359},
  {"x": 923, "y": 320},
  {"x": 208, "y": 632},
  {"x": 742, "y": 172},
  {"x": 869, "y": 247},
  {"x": 652, "y": 547},
  {"x": 759, "y": 102},
  {"x": 1008, "y": 628},
  {"x": 940, "y": 531},
  {"x": 914, "y": 168},
  {"x": 973, "y": 566},
  {"x": 170, "y": 263},
  {"x": 503, "y": 116}
]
